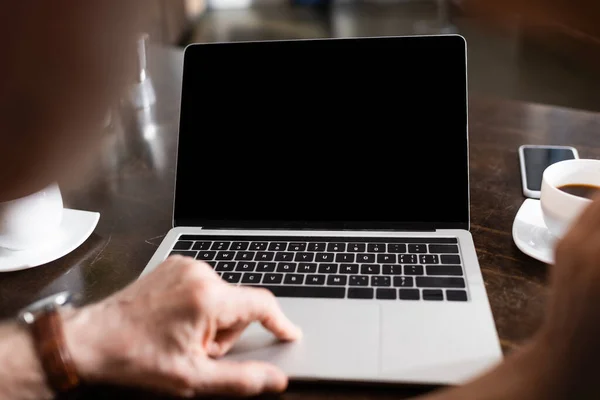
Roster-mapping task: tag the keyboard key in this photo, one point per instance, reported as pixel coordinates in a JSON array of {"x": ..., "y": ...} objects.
[
  {"x": 266, "y": 267},
  {"x": 376, "y": 248},
  {"x": 357, "y": 247},
  {"x": 225, "y": 266},
  {"x": 238, "y": 246},
  {"x": 184, "y": 253},
  {"x": 365, "y": 258},
  {"x": 206, "y": 255},
  {"x": 396, "y": 248},
  {"x": 444, "y": 270},
  {"x": 306, "y": 257},
  {"x": 435, "y": 295},
  {"x": 220, "y": 246},
  {"x": 440, "y": 282},
  {"x": 251, "y": 278},
  {"x": 381, "y": 281},
  {"x": 349, "y": 269},
  {"x": 370, "y": 269},
  {"x": 273, "y": 279},
  {"x": 337, "y": 280},
  {"x": 392, "y": 269},
  {"x": 264, "y": 256},
  {"x": 413, "y": 270},
  {"x": 258, "y": 246},
  {"x": 407, "y": 259},
  {"x": 409, "y": 294},
  {"x": 307, "y": 268},
  {"x": 386, "y": 294},
  {"x": 245, "y": 266},
  {"x": 278, "y": 246},
  {"x": 316, "y": 247},
  {"x": 293, "y": 279},
  {"x": 211, "y": 263},
  {"x": 429, "y": 259},
  {"x": 286, "y": 267},
  {"x": 225, "y": 255},
  {"x": 404, "y": 281},
  {"x": 297, "y": 247},
  {"x": 324, "y": 257},
  {"x": 443, "y": 248},
  {"x": 201, "y": 246},
  {"x": 359, "y": 280},
  {"x": 456, "y": 295},
  {"x": 232, "y": 277},
  {"x": 344, "y": 257},
  {"x": 386, "y": 258},
  {"x": 183, "y": 245},
  {"x": 308, "y": 291},
  {"x": 450, "y": 259},
  {"x": 328, "y": 268},
  {"x": 245, "y": 255},
  {"x": 337, "y": 247},
  {"x": 360, "y": 293},
  {"x": 417, "y": 248},
  {"x": 315, "y": 280},
  {"x": 281, "y": 256}
]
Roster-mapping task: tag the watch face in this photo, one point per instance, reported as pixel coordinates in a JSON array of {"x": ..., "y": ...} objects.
[{"x": 28, "y": 314}]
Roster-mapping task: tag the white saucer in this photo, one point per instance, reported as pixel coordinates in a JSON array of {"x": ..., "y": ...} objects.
[
  {"x": 530, "y": 233},
  {"x": 76, "y": 226}
]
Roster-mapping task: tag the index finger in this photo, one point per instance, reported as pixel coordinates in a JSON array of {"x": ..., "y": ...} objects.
[{"x": 256, "y": 304}]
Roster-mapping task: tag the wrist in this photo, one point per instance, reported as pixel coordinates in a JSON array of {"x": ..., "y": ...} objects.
[
  {"x": 82, "y": 342},
  {"x": 20, "y": 368}
]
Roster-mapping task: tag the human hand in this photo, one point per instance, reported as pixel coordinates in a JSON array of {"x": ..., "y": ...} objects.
[{"x": 165, "y": 331}]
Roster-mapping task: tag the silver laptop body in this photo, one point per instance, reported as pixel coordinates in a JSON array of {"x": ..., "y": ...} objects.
[{"x": 377, "y": 301}]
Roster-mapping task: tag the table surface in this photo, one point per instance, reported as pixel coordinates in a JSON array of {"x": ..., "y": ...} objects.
[{"x": 132, "y": 188}]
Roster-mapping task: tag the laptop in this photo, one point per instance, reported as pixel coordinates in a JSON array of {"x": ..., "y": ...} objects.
[{"x": 335, "y": 173}]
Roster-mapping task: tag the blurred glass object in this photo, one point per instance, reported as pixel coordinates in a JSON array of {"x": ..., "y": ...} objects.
[
  {"x": 442, "y": 25},
  {"x": 229, "y": 4},
  {"x": 141, "y": 92}
]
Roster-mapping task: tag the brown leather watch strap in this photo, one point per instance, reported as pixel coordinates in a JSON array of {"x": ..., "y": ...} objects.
[{"x": 51, "y": 348}]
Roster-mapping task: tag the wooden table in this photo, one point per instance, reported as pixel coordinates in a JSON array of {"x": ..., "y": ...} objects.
[{"x": 133, "y": 190}]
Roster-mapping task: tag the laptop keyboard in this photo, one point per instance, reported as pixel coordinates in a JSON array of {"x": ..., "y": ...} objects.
[{"x": 407, "y": 269}]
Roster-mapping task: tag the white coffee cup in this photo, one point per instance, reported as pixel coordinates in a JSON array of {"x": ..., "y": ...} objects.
[
  {"x": 561, "y": 209},
  {"x": 30, "y": 221}
]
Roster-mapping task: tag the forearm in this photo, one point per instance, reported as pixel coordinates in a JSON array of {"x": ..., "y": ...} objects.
[
  {"x": 531, "y": 373},
  {"x": 21, "y": 374}
]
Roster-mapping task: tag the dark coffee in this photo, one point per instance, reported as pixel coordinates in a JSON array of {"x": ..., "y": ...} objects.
[{"x": 587, "y": 191}]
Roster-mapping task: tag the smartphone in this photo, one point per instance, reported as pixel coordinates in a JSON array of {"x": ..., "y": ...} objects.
[{"x": 535, "y": 159}]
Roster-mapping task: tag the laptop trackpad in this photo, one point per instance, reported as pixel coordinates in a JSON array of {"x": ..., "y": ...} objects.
[{"x": 341, "y": 340}]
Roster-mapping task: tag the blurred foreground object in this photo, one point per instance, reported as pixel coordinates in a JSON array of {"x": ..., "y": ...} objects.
[{"x": 64, "y": 64}]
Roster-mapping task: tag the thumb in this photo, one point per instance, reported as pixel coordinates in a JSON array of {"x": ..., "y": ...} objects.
[{"x": 248, "y": 378}]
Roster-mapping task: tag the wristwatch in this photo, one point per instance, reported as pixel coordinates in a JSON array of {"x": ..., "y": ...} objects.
[{"x": 45, "y": 324}]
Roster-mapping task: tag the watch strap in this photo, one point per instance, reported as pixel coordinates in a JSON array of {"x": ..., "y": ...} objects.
[{"x": 49, "y": 339}]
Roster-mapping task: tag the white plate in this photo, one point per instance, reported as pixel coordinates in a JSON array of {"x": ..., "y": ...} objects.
[
  {"x": 76, "y": 226},
  {"x": 530, "y": 233}
]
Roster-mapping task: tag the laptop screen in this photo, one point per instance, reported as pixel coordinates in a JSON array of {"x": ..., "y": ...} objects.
[{"x": 349, "y": 133}]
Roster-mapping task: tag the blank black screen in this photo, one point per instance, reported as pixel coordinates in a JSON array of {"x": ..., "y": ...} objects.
[
  {"x": 538, "y": 159},
  {"x": 362, "y": 133}
]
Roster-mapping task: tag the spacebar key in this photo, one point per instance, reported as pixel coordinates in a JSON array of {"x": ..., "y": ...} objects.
[{"x": 307, "y": 291}]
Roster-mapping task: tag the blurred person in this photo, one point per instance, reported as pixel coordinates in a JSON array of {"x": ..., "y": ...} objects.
[{"x": 64, "y": 63}]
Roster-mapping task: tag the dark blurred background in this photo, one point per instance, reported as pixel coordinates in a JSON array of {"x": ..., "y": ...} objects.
[{"x": 514, "y": 60}]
